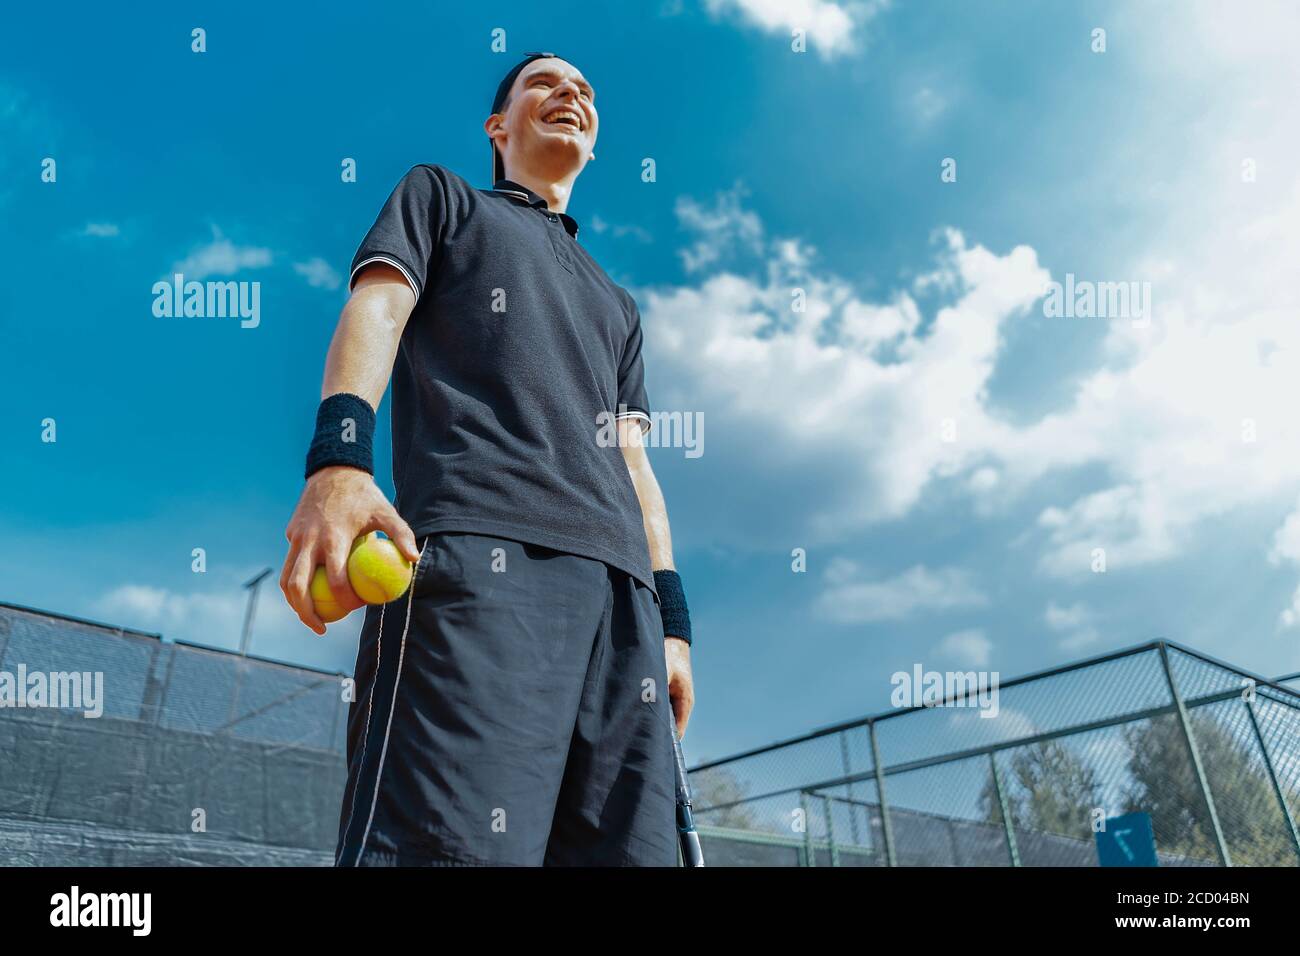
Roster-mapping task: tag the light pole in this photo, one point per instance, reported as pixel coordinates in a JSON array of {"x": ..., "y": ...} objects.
[{"x": 251, "y": 586}]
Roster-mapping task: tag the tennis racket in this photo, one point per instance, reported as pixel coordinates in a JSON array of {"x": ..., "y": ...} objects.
[{"x": 692, "y": 855}]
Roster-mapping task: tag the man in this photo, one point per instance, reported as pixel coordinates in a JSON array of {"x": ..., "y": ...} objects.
[{"x": 513, "y": 708}]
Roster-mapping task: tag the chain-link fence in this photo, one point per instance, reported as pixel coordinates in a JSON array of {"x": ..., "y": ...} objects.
[
  {"x": 199, "y": 756},
  {"x": 1209, "y": 752},
  {"x": 205, "y": 757}
]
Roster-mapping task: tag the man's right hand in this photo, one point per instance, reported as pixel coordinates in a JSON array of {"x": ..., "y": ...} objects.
[{"x": 338, "y": 505}]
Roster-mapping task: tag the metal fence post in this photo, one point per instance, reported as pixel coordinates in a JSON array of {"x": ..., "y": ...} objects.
[
  {"x": 1272, "y": 776},
  {"x": 891, "y": 858},
  {"x": 151, "y": 698},
  {"x": 830, "y": 831},
  {"x": 240, "y": 665},
  {"x": 1197, "y": 767},
  {"x": 165, "y": 694},
  {"x": 1012, "y": 849},
  {"x": 848, "y": 772},
  {"x": 334, "y": 727},
  {"x": 808, "y": 858}
]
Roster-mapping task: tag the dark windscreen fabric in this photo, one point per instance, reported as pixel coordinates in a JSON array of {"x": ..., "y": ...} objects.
[{"x": 250, "y": 751}]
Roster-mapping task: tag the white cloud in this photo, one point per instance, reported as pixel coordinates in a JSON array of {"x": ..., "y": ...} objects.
[
  {"x": 173, "y": 614},
  {"x": 719, "y": 230},
  {"x": 214, "y": 618},
  {"x": 927, "y": 105},
  {"x": 844, "y": 403},
  {"x": 1286, "y": 550},
  {"x": 970, "y": 648},
  {"x": 28, "y": 129},
  {"x": 1290, "y": 615},
  {"x": 1074, "y": 623},
  {"x": 318, "y": 273},
  {"x": 1286, "y": 540},
  {"x": 100, "y": 230},
  {"x": 221, "y": 257},
  {"x": 618, "y": 231},
  {"x": 837, "y": 411},
  {"x": 871, "y": 327},
  {"x": 829, "y": 26},
  {"x": 852, "y": 596},
  {"x": 1192, "y": 417},
  {"x": 1065, "y": 618},
  {"x": 1188, "y": 416},
  {"x": 1010, "y": 724}
]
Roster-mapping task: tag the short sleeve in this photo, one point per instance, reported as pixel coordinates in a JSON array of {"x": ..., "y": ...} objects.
[
  {"x": 409, "y": 230},
  {"x": 632, "y": 401}
]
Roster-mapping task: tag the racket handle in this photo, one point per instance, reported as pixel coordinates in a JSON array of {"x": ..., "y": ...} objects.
[
  {"x": 692, "y": 854},
  {"x": 689, "y": 839}
]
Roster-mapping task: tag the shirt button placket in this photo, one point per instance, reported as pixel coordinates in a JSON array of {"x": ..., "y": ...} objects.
[{"x": 559, "y": 246}]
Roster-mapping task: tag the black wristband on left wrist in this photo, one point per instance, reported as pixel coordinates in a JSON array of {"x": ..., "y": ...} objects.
[{"x": 672, "y": 605}]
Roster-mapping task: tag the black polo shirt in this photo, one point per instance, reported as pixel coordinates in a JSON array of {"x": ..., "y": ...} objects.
[{"x": 519, "y": 349}]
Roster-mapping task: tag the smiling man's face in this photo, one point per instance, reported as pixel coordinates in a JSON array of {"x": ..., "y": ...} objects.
[{"x": 549, "y": 122}]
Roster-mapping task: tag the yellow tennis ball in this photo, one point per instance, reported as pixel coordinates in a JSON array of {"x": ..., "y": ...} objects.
[
  {"x": 327, "y": 609},
  {"x": 378, "y": 571}
]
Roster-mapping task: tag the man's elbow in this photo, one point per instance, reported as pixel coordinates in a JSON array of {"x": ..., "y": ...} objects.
[{"x": 381, "y": 298}]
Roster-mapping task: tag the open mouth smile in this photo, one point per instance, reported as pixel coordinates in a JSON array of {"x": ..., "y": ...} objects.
[{"x": 565, "y": 118}]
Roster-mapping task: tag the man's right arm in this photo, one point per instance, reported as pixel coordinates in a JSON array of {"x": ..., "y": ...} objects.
[{"x": 341, "y": 502}]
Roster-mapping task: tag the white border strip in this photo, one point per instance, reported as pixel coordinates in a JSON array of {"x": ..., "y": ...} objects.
[
  {"x": 383, "y": 753},
  {"x": 365, "y": 739},
  {"x": 624, "y": 416},
  {"x": 389, "y": 261}
]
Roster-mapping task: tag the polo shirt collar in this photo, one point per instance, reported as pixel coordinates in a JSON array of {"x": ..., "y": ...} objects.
[{"x": 512, "y": 189}]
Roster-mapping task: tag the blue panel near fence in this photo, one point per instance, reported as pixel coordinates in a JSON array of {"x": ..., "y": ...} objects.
[{"x": 1127, "y": 841}]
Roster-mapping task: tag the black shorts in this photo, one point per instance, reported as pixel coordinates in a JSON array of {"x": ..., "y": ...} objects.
[{"x": 512, "y": 710}]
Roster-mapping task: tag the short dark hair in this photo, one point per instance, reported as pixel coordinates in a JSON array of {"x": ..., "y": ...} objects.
[{"x": 502, "y": 101}]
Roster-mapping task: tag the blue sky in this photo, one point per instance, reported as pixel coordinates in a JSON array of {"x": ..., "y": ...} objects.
[{"x": 776, "y": 170}]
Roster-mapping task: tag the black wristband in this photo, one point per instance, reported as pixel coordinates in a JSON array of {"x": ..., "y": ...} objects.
[
  {"x": 672, "y": 605},
  {"x": 345, "y": 431}
]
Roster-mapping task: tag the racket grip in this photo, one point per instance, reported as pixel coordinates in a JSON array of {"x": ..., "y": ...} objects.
[
  {"x": 692, "y": 854},
  {"x": 688, "y": 838}
]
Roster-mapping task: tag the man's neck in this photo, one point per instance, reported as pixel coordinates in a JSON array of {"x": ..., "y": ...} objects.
[{"x": 556, "y": 192}]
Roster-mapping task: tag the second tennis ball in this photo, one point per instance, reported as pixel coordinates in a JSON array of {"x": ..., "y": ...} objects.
[{"x": 322, "y": 598}]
